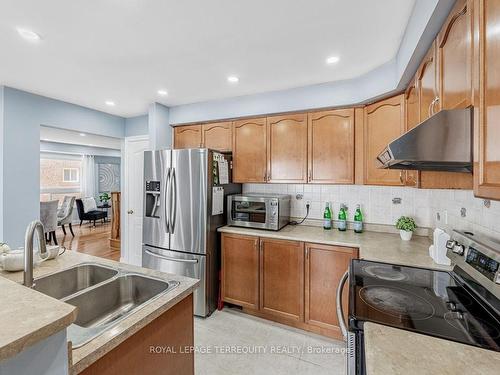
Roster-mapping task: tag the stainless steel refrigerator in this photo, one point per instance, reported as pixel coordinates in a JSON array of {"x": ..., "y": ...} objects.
[{"x": 182, "y": 211}]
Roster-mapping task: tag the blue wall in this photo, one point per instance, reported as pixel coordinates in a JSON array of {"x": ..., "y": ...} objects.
[
  {"x": 23, "y": 115},
  {"x": 1, "y": 161},
  {"x": 160, "y": 132},
  {"x": 137, "y": 125}
]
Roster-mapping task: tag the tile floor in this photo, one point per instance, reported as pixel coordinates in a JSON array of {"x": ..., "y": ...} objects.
[{"x": 275, "y": 349}]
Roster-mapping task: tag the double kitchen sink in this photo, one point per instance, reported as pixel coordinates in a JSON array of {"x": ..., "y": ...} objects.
[{"x": 103, "y": 295}]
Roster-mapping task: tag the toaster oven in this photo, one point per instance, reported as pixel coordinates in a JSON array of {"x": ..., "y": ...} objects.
[{"x": 258, "y": 210}]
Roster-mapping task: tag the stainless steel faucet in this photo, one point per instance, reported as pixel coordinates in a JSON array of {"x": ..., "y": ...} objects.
[{"x": 28, "y": 250}]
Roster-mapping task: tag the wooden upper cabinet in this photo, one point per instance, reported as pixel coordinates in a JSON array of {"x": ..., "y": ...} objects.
[
  {"x": 240, "y": 270},
  {"x": 282, "y": 278},
  {"x": 455, "y": 57},
  {"x": 188, "y": 136},
  {"x": 412, "y": 119},
  {"x": 250, "y": 150},
  {"x": 487, "y": 99},
  {"x": 427, "y": 84},
  {"x": 217, "y": 136},
  {"x": 287, "y": 148},
  {"x": 325, "y": 266},
  {"x": 331, "y": 147},
  {"x": 412, "y": 106},
  {"x": 384, "y": 121},
  {"x": 454, "y": 84}
]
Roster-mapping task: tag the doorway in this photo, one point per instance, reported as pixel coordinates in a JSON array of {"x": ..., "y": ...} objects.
[
  {"x": 133, "y": 188},
  {"x": 80, "y": 174}
]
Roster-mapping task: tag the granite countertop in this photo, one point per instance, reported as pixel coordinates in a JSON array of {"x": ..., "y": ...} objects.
[
  {"x": 87, "y": 354},
  {"x": 28, "y": 317},
  {"x": 395, "y": 351},
  {"x": 375, "y": 246}
]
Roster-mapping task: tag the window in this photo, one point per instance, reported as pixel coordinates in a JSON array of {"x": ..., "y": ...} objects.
[
  {"x": 59, "y": 176},
  {"x": 71, "y": 175}
]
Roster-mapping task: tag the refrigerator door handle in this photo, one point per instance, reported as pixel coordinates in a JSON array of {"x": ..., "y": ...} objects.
[
  {"x": 171, "y": 258},
  {"x": 167, "y": 206},
  {"x": 173, "y": 193}
]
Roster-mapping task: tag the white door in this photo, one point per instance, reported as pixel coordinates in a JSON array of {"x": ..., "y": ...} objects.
[{"x": 133, "y": 199}]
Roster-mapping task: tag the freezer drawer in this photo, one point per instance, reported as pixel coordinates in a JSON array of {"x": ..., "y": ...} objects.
[{"x": 182, "y": 264}]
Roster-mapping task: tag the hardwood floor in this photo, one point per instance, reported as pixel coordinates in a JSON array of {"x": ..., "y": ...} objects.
[{"x": 89, "y": 240}]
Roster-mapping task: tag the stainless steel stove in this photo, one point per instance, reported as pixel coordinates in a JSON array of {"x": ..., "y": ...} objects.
[{"x": 462, "y": 305}]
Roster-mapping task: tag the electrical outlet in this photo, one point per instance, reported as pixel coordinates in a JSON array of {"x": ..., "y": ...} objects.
[
  {"x": 308, "y": 203},
  {"x": 445, "y": 213}
]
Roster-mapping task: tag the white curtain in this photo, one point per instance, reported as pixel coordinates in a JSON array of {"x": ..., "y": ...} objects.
[{"x": 88, "y": 178}]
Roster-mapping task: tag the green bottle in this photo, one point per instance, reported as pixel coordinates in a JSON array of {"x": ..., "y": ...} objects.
[
  {"x": 358, "y": 220},
  {"x": 327, "y": 217},
  {"x": 342, "y": 218}
]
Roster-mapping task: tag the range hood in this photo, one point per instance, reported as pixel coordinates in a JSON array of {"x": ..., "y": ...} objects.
[{"x": 443, "y": 142}]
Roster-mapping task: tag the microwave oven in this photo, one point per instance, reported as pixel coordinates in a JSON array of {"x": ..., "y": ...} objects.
[{"x": 258, "y": 210}]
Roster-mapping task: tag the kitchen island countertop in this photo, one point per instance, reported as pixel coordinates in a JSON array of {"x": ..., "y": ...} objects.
[
  {"x": 396, "y": 351},
  {"x": 87, "y": 354}
]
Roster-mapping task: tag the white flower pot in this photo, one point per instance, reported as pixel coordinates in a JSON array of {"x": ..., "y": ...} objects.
[{"x": 405, "y": 236}]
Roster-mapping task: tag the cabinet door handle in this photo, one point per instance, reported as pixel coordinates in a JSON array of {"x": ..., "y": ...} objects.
[
  {"x": 309, "y": 177},
  {"x": 401, "y": 178},
  {"x": 431, "y": 106},
  {"x": 307, "y": 253}
]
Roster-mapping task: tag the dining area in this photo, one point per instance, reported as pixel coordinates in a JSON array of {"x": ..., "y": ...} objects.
[{"x": 56, "y": 214}]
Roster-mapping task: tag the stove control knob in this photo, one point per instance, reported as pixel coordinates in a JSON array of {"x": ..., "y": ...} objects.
[
  {"x": 451, "y": 306},
  {"x": 459, "y": 249},
  {"x": 450, "y": 244}
]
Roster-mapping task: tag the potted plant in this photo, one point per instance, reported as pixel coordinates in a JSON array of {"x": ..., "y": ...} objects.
[
  {"x": 104, "y": 198},
  {"x": 406, "y": 226}
]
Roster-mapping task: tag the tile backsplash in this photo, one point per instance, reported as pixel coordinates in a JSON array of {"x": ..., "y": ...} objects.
[{"x": 429, "y": 207}]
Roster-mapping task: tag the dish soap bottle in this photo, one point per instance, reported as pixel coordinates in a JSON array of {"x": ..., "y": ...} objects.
[
  {"x": 342, "y": 218},
  {"x": 327, "y": 217},
  {"x": 358, "y": 220}
]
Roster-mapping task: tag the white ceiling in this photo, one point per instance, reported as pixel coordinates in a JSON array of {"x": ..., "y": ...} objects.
[{"x": 125, "y": 50}]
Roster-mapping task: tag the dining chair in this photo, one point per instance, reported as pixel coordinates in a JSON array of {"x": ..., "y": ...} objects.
[
  {"x": 65, "y": 214},
  {"x": 48, "y": 217}
]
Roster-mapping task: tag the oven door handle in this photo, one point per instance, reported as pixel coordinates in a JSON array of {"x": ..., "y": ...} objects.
[{"x": 340, "y": 312}]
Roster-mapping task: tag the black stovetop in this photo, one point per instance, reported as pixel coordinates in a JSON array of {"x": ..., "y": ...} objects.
[{"x": 420, "y": 300}]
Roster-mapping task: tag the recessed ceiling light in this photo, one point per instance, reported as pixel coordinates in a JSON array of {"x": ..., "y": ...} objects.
[
  {"x": 28, "y": 34},
  {"x": 82, "y": 134},
  {"x": 163, "y": 92},
  {"x": 332, "y": 60},
  {"x": 233, "y": 79},
  {"x": 110, "y": 103}
]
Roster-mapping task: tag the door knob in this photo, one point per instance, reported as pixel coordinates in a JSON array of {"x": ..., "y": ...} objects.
[{"x": 130, "y": 212}]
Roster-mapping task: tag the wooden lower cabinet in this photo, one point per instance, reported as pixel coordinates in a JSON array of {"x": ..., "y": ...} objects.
[
  {"x": 289, "y": 282},
  {"x": 282, "y": 278},
  {"x": 134, "y": 356},
  {"x": 240, "y": 270},
  {"x": 324, "y": 268}
]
